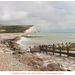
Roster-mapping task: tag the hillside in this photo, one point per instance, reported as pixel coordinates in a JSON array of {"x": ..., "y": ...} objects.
[{"x": 14, "y": 28}]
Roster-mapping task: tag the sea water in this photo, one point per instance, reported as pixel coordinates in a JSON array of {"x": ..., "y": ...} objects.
[
  {"x": 46, "y": 38},
  {"x": 50, "y": 38},
  {"x": 53, "y": 38}
]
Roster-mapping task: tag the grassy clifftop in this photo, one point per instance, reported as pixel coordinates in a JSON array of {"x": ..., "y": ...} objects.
[{"x": 14, "y": 28}]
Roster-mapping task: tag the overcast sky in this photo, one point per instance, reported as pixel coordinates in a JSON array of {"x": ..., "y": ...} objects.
[{"x": 46, "y": 16}]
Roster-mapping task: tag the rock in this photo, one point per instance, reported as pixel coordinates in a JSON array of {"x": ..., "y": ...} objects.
[
  {"x": 27, "y": 50},
  {"x": 16, "y": 38},
  {"x": 44, "y": 69},
  {"x": 52, "y": 67},
  {"x": 30, "y": 64},
  {"x": 39, "y": 59},
  {"x": 36, "y": 66},
  {"x": 27, "y": 62},
  {"x": 18, "y": 52},
  {"x": 15, "y": 47},
  {"x": 11, "y": 43},
  {"x": 1, "y": 51},
  {"x": 33, "y": 62},
  {"x": 68, "y": 70}
]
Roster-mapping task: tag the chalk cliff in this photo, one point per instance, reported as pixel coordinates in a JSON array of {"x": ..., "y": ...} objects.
[{"x": 31, "y": 30}]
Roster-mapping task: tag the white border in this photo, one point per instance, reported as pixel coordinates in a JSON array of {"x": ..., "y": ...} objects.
[
  {"x": 37, "y": 0},
  {"x": 37, "y": 72}
]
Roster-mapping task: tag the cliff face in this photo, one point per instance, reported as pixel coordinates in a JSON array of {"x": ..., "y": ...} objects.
[{"x": 31, "y": 30}]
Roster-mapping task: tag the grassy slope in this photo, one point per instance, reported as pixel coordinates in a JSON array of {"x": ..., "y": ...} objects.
[{"x": 14, "y": 28}]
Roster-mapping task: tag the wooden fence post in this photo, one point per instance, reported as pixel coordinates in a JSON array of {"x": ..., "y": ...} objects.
[
  {"x": 30, "y": 50},
  {"x": 69, "y": 44},
  {"x": 67, "y": 51},
  {"x": 60, "y": 50},
  {"x": 40, "y": 48},
  {"x": 62, "y": 46},
  {"x": 43, "y": 47},
  {"x": 46, "y": 49},
  {"x": 53, "y": 49},
  {"x": 34, "y": 49}
]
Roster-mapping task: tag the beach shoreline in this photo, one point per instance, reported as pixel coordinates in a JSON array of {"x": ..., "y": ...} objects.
[{"x": 28, "y": 63}]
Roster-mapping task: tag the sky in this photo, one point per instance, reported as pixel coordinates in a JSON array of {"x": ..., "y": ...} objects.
[{"x": 47, "y": 16}]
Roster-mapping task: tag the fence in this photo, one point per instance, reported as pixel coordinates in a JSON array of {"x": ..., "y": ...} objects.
[{"x": 67, "y": 49}]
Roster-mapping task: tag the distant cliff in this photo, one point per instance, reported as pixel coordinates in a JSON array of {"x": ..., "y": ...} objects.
[
  {"x": 14, "y": 28},
  {"x": 17, "y": 29},
  {"x": 31, "y": 30}
]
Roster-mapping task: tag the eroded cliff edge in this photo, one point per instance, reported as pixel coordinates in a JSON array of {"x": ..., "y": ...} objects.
[{"x": 31, "y": 30}]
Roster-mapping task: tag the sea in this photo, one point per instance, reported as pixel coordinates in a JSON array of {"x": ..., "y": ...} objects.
[
  {"x": 36, "y": 39},
  {"x": 40, "y": 38}
]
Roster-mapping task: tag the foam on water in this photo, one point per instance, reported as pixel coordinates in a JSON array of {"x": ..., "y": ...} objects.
[
  {"x": 25, "y": 43},
  {"x": 73, "y": 65},
  {"x": 66, "y": 62},
  {"x": 46, "y": 38},
  {"x": 46, "y": 62},
  {"x": 42, "y": 55},
  {"x": 22, "y": 42}
]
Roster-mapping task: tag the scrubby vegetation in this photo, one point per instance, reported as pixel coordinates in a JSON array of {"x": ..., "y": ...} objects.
[{"x": 14, "y": 28}]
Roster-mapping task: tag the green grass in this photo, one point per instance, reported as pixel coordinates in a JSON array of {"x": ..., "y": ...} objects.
[{"x": 14, "y": 28}]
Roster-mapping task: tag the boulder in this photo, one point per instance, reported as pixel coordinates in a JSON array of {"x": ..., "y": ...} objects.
[
  {"x": 33, "y": 62},
  {"x": 28, "y": 62},
  {"x": 52, "y": 67},
  {"x": 36, "y": 66},
  {"x": 39, "y": 59},
  {"x": 16, "y": 38},
  {"x": 17, "y": 52}
]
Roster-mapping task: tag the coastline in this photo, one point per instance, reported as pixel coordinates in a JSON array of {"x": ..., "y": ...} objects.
[
  {"x": 7, "y": 61},
  {"x": 24, "y": 59}
]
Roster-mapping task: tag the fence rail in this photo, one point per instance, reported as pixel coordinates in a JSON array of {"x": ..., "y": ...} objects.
[{"x": 67, "y": 49}]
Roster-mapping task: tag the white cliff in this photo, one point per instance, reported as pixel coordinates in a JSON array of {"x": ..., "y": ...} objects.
[{"x": 31, "y": 30}]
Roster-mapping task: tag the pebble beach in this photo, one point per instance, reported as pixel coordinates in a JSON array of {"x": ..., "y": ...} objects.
[{"x": 17, "y": 60}]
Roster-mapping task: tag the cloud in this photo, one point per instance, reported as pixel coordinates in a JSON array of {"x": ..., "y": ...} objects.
[{"x": 57, "y": 16}]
